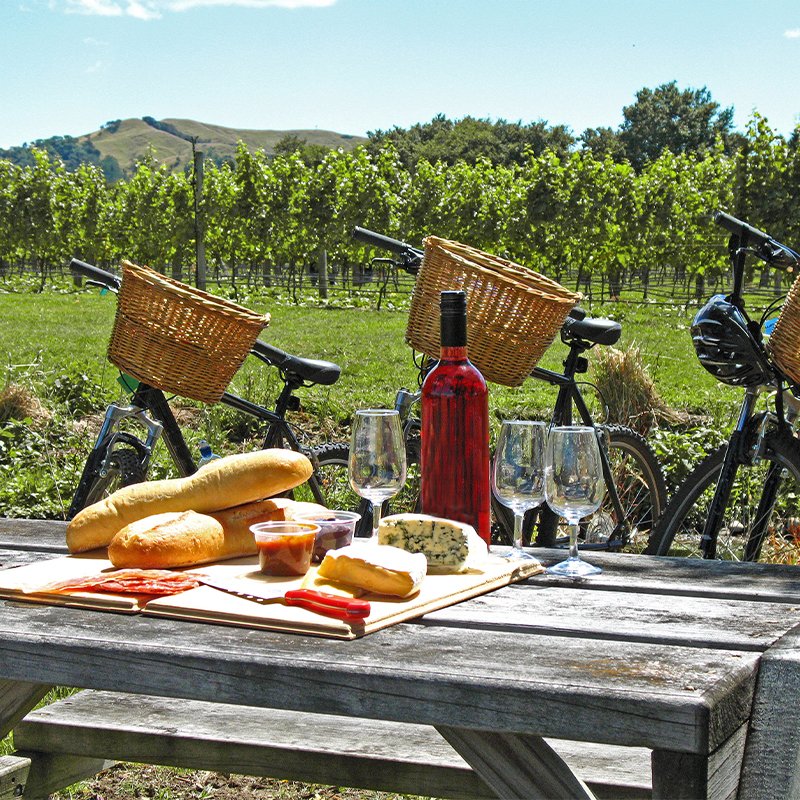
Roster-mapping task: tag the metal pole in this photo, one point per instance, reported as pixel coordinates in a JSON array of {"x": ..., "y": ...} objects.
[
  {"x": 322, "y": 267},
  {"x": 199, "y": 227}
]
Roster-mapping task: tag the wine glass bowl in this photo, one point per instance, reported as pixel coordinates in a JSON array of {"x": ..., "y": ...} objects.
[
  {"x": 518, "y": 474},
  {"x": 377, "y": 458},
  {"x": 574, "y": 487}
]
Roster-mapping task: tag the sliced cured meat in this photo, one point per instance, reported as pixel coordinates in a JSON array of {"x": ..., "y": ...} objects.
[{"x": 156, "y": 582}]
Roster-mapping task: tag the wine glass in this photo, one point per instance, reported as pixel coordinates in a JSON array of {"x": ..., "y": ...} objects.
[
  {"x": 518, "y": 474},
  {"x": 377, "y": 462},
  {"x": 574, "y": 487}
]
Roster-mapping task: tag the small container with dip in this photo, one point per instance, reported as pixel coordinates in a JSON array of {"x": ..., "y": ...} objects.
[
  {"x": 336, "y": 529},
  {"x": 285, "y": 548}
]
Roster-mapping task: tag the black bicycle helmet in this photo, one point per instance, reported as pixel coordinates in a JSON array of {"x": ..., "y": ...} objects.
[{"x": 725, "y": 346}]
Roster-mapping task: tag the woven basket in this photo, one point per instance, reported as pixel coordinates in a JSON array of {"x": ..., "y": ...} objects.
[
  {"x": 513, "y": 313},
  {"x": 784, "y": 343},
  {"x": 178, "y": 338}
]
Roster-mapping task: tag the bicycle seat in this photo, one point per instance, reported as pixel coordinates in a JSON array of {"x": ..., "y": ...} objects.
[
  {"x": 311, "y": 370},
  {"x": 597, "y": 331}
]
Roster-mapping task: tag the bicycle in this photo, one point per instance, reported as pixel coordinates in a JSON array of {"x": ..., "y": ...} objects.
[
  {"x": 740, "y": 501},
  {"x": 636, "y": 490},
  {"x": 123, "y": 449}
]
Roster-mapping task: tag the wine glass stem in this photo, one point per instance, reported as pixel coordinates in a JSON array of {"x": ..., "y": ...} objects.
[
  {"x": 376, "y": 519},
  {"x": 518, "y": 530},
  {"x": 573, "y": 540}
]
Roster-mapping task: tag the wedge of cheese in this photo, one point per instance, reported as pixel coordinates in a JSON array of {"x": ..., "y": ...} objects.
[
  {"x": 449, "y": 546},
  {"x": 375, "y": 568}
]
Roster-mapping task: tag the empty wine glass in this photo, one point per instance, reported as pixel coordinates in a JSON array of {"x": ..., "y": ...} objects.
[
  {"x": 518, "y": 474},
  {"x": 377, "y": 463},
  {"x": 574, "y": 487}
]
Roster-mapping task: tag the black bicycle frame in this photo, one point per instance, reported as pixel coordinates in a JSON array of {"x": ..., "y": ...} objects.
[
  {"x": 278, "y": 432},
  {"x": 735, "y": 455}
]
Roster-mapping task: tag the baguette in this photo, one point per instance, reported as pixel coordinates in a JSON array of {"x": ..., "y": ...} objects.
[
  {"x": 223, "y": 483},
  {"x": 176, "y": 539}
]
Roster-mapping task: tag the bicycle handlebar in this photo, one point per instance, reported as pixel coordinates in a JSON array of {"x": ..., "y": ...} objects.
[
  {"x": 410, "y": 257},
  {"x": 766, "y": 248},
  {"x": 95, "y": 274}
]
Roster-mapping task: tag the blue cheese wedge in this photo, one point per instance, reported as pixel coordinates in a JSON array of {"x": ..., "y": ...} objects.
[
  {"x": 448, "y": 545},
  {"x": 375, "y": 568}
]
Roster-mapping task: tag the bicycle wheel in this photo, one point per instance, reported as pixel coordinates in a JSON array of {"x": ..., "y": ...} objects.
[
  {"x": 124, "y": 469},
  {"x": 642, "y": 492},
  {"x": 330, "y": 484},
  {"x": 752, "y": 503}
]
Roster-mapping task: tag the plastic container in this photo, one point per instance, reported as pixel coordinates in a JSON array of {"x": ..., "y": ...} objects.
[
  {"x": 285, "y": 548},
  {"x": 206, "y": 454},
  {"x": 336, "y": 529}
]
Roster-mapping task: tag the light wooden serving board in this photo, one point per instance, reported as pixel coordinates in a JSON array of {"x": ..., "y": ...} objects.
[
  {"x": 206, "y": 604},
  {"x": 25, "y": 583}
]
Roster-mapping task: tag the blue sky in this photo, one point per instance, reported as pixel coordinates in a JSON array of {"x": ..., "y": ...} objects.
[{"x": 68, "y": 66}]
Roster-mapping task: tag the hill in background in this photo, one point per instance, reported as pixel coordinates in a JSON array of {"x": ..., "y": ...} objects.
[{"x": 118, "y": 145}]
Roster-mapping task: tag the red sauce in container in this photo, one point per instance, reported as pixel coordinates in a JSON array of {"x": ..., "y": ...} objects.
[{"x": 285, "y": 548}]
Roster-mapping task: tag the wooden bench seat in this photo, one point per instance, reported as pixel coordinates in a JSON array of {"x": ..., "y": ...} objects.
[
  {"x": 13, "y": 775},
  {"x": 75, "y": 738}
]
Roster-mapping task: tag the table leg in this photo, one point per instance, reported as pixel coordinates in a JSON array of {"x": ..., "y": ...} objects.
[
  {"x": 17, "y": 698},
  {"x": 772, "y": 756},
  {"x": 688, "y": 776},
  {"x": 517, "y": 765}
]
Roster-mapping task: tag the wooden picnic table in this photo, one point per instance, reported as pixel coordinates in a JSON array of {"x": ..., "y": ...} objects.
[{"x": 654, "y": 653}]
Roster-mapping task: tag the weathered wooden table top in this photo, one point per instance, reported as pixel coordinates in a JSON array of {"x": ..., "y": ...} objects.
[{"x": 654, "y": 652}]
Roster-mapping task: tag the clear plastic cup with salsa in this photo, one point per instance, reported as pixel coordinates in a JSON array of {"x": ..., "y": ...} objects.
[{"x": 285, "y": 548}]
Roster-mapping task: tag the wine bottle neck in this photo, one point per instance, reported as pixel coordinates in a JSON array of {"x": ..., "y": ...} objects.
[
  {"x": 454, "y": 329},
  {"x": 454, "y": 353}
]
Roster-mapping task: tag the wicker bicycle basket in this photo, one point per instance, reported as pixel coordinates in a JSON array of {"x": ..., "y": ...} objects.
[
  {"x": 178, "y": 338},
  {"x": 784, "y": 343},
  {"x": 513, "y": 313}
]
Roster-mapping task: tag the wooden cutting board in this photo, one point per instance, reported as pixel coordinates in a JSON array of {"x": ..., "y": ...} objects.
[
  {"x": 26, "y": 582},
  {"x": 206, "y": 604}
]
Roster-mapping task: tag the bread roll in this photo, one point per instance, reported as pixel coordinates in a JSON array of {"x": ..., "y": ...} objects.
[
  {"x": 176, "y": 539},
  {"x": 221, "y": 484},
  {"x": 171, "y": 539}
]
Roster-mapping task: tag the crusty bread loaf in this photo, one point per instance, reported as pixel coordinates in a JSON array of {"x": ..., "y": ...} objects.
[
  {"x": 182, "y": 539},
  {"x": 171, "y": 539},
  {"x": 221, "y": 484}
]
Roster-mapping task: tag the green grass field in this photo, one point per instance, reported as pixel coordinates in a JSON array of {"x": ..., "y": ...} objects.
[
  {"x": 56, "y": 343},
  {"x": 57, "y": 330}
]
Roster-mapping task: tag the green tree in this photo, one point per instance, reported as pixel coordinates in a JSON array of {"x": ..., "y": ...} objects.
[
  {"x": 682, "y": 121},
  {"x": 603, "y": 142},
  {"x": 470, "y": 140}
]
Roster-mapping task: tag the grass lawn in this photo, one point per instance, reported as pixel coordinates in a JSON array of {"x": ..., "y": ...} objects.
[{"x": 58, "y": 332}]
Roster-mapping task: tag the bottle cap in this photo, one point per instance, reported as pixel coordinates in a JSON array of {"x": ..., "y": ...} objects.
[{"x": 453, "y": 303}]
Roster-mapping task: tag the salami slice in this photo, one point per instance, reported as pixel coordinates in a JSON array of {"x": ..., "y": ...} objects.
[{"x": 155, "y": 582}]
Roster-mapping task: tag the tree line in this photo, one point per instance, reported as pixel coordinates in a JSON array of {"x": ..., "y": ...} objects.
[{"x": 559, "y": 211}]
